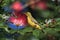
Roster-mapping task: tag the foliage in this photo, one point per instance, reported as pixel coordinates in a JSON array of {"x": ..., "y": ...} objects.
[{"x": 28, "y": 33}]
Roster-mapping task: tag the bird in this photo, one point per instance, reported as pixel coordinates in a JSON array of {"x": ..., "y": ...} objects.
[{"x": 32, "y": 21}]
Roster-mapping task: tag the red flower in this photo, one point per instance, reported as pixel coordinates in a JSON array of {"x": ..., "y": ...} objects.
[
  {"x": 42, "y": 5},
  {"x": 20, "y": 20},
  {"x": 17, "y": 6}
]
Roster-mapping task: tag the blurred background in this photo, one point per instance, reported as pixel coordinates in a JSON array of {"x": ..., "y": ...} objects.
[{"x": 46, "y": 12}]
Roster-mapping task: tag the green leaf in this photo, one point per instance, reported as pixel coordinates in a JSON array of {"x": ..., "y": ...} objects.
[
  {"x": 2, "y": 38},
  {"x": 46, "y": 14},
  {"x": 12, "y": 31},
  {"x": 2, "y": 25},
  {"x": 26, "y": 36},
  {"x": 36, "y": 33},
  {"x": 34, "y": 38},
  {"x": 57, "y": 28},
  {"x": 51, "y": 31},
  {"x": 27, "y": 29},
  {"x": 57, "y": 19}
]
